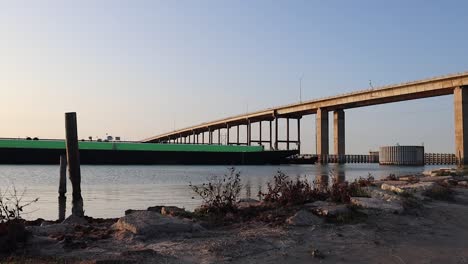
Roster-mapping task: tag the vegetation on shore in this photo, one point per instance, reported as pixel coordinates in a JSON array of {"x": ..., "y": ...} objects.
[
  {"x": 222, "y": 204},
  {"x": 12, "y": 228}
]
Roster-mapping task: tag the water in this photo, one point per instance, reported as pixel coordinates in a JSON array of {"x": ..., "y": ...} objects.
[{"x": 109, "y": 190}]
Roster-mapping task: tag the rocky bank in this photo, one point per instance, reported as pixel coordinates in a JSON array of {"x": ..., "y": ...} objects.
[{"x": 397, "y": 221}]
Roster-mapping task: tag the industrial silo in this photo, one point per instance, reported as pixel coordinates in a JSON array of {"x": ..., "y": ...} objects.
[{"x": 401, "y": 155}]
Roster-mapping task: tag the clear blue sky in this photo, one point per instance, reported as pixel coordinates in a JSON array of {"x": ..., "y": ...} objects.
[{"x": 139, "y": 68}]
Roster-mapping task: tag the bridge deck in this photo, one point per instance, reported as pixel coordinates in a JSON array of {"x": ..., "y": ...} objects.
[{"x": 437, "y": 86}]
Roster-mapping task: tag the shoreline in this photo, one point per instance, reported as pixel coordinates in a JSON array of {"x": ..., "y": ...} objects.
[{"x": 403, "y": 229}]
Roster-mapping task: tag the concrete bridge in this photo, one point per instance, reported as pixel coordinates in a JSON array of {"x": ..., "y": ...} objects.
[{"x": 456, "y": 84}]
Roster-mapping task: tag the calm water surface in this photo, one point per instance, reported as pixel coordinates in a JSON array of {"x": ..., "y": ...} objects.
[{"x": 109, "y": 190}]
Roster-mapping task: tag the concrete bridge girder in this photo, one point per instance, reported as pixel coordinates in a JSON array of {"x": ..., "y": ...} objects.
[{"x": 452, "y": 84}]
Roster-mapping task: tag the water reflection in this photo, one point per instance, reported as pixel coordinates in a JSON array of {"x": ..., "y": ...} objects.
[
  {"x": 321, "y": 182},
  {"x": 248, "y": 189}
]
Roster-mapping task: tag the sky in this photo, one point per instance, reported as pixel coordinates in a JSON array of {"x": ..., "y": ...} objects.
[{"x": 136, "y": 69}]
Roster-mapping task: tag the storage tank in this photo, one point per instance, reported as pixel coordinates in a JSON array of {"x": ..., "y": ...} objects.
[{"x": 401, "y": 155}]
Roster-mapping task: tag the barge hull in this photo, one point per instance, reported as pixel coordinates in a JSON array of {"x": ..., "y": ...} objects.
[{"x": 119, "y": 157}]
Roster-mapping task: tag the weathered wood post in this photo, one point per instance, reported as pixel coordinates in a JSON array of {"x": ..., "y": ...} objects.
[
  {"x": 63, "y": 176},
  {"x": 62, "y": 199},
  {"x": 73, "y": 158},
  {"x": 62, "y": 207}
]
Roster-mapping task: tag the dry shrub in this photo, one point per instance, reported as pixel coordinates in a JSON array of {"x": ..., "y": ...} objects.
[
  {"x": 340, "y": 192},
  {"x": 285, "y": 191},
  {"x": 391, "y": 177},
  {"x": 220, "y": 194},
  {"x": 356, "y": 188},
  {"x": 12, "y": 230},
  {"x": 12, "y": 204}
]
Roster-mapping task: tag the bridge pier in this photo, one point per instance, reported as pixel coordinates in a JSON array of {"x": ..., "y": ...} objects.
[
  {"x": 287, "y": 133},
  {"x": 299, "y": 135},
  {"x": 322, "y": 134},
  {"x": 210, "y": 136},
  {"x": 270, "y": 136},
  {"x": 249, "y": 132},
  {"x": 276, "y": 132},
  {"x": 339, "y": 134},
  {"x": 227, "y": 134},
  {"x": 460, "y": 95}
]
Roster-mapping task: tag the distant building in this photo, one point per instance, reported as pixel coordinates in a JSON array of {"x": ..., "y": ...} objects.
[{"x": 401, "y": 155}]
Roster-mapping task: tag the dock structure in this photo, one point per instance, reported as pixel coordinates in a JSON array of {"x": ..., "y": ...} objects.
[
  {"x": 456, "y": 84},
  {"x": 440, "y": 159}
]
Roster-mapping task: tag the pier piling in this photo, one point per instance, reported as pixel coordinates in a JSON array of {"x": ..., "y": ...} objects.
[
  {"x": 63, "y": 176},
  {"x": 73, "y": 159}
]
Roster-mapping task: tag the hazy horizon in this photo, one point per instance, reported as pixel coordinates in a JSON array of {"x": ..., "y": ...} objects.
[{"x": 141, "y": 68}]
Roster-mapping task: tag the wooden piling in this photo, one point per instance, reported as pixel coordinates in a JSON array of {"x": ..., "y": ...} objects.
[
  {"x": 73, "y": 158},
  {"x": 62, "y": 207},
  {"x": 63, "y": 176}
]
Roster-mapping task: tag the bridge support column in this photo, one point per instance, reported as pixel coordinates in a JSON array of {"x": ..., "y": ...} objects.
[
  {"x": 249, "y": 132},
  {"x": 271, "y": 138},
  {"x": 260, "y": 132},
  {"x": 210, "y": 136},
  {"x": 299, "y": 135},
  {"x": 287, "y": 133},
  {"x": 322, "y": 134},
  {"x": 227, "y": 135},
  {"x": 461, "y": 124},
  {"x": 339, "y": 134},
  {"x": 276, "y": 133}
]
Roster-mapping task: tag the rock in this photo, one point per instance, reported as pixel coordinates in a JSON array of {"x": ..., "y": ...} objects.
[
  {"x": 317, "y": 254},
  {"x": 396, "y": 183},
  {"x": 443, "y": 172},
  {"x": 172, "y": 210},
  {"x": 75, "y": 220},
  {"x": 409, "y": 188},
  {"x": 248, "y": 202},
  {"x": 328, "y": 209},
  {"x": 435, "y": 179},
  {"x": 407, "y": 178},
  {"x": 460, "y": 178},
  {"x": 463, "y": 183},
  {"x": 131, "y": 211},
  {"x": 382, "y": 195},
  {"x": 410, "y": 178},
  {"x": 427, "y": 173},
  {"x": 377, "y": 204},
  {"x": 156, "y": 208},
  {"x": 450, "y": 182},
  {"x": 151, "y": 224},
  {"x": 303, "y": 218}
]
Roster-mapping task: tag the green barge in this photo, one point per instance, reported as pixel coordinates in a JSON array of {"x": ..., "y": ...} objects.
[{"x": 21, "y": 151}]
